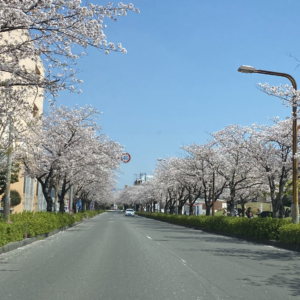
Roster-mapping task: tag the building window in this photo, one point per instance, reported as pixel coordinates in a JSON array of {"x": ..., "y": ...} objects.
[{"x": 24, "y": 186}]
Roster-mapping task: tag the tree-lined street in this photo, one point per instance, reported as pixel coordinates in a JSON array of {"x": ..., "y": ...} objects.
[{"x": 116, "y": 257}]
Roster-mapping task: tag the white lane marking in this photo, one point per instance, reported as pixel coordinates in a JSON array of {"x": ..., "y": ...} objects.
[
  {"x": 149, "y": 237},
  {"x": 183, "y": 261}
]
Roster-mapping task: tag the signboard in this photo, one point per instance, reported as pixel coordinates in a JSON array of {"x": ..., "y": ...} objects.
[{"x": 125, "y": 158}]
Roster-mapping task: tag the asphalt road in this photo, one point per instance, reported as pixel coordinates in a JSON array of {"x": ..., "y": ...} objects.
[{"x": 116, "y": 257}]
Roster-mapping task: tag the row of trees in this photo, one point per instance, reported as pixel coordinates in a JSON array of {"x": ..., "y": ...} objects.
[
  {"x": 64, "y": 147},
  {"x": 245, "y": 161}
]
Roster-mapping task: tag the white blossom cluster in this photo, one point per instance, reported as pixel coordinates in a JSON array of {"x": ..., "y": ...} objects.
[
  {"x": 289, "y": 96},
  {"x": 40, "y": 42},
  {"x": 66, "y": 147},
  {"x": 44, "y": 34},
  {"x": 238, "y": 163}
]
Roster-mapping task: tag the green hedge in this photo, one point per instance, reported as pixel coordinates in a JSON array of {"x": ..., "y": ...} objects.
[
  {"x": 290, "y": 233},
  {"x": 34, "y": 223},
  {"x": 87, "y": 214},
  {"x": 262, "y": 228},
  {"x": 10, "y": 232}
]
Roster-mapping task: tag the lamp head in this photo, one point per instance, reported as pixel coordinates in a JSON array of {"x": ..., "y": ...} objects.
[{"x": 246, "y": 69}]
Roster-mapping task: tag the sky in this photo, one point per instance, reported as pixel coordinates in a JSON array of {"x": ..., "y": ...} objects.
[{"x": 179, "y": 82}]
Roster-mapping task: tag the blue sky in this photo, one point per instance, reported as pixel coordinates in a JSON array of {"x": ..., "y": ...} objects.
[{"x": 179, "y": 80}]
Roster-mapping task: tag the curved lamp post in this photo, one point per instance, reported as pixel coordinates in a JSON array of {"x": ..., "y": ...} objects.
[{"x": 295, "y": 207}]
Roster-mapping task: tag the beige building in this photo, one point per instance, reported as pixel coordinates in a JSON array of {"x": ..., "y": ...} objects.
[{"x": 29, "y": 189}]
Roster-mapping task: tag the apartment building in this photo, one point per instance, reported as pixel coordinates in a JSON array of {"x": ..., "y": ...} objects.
[{"x": 28, "y": 188}]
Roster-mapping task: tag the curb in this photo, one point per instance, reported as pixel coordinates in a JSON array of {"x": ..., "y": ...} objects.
[
  {"x": 15, "y": 245},
  {"x": 274, "y": 243}
]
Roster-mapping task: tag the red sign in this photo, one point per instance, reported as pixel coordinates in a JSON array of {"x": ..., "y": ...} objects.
[{"x": 125, "y": 158}]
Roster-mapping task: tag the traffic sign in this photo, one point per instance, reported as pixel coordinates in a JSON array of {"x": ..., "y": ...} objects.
[{"x": 125, "y": 158}]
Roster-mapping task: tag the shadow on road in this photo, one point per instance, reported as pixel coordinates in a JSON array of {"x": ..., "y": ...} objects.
[{"x": 286, "y": 263}]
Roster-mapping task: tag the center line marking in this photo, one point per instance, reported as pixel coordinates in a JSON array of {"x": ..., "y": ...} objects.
[{"x": 148, "y": 237}]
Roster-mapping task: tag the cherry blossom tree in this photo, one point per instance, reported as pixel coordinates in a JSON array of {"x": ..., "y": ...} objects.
[
  {"x": 49, "y": 30},
  {"x": 203, "y": 166},
  {"x": 66, "y": 149},
  {"x": 271, "y": 148},
  {"x": 40, "y": 42},
  {"x": 246, "y": 162},
  {"x": 233, "y": 161}
]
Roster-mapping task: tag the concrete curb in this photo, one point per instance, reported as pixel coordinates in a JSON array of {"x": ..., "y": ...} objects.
[
  {"x": 15, "y": 245},
  {"x": 274, "y": 243}
]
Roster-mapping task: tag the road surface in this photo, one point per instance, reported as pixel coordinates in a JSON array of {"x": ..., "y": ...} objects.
[{"x": 116, "y": 257}]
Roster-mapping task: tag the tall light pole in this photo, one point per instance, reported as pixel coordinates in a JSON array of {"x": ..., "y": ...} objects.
[
  {"x": 213, "y": 194},
  {"x": 295, "y": 207},
  {"x": 71, "y": 200},
  {"x": 160, "y": 204},
  {"x": 8, "y": 174}
]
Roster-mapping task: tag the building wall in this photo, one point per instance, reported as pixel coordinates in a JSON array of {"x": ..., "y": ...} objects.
[
  {"x": 31, "y": 195},
  {"x": 27, "y": 187},
  {"x": 218, "y": 205}
]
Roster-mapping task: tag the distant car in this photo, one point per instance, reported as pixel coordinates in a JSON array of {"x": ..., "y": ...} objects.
[{"x": 129, "y": 212}]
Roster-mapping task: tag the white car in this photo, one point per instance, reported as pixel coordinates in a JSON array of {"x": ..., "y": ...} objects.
[{"x": 129, "y": 212}]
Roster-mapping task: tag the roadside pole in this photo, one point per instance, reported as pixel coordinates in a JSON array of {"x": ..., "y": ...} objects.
[
  {"x": 213, "y": 194},
  {"x": 8, "y": 174},
  {"x": 176, "y": 200},
  {"x": 56, "y": 192},
  {"x": 71, "y": 200}
]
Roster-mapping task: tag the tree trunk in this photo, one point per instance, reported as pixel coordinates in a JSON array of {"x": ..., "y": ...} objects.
[
  {"x": 172, "y": 208},
  {"x": 166, "y": 208},
  {"x": 61, "y": 197},
  {"x": 275, "y": 208},
  {"x": 83, "y": 202},
  {"x": 191, "y": 209},
  {"x": 243, "y": 209},
  {"x": 230, "y": 207},
  {"x": 46, "y": 189},
  {"x": 49, "y": 203},
  {"x": 207, "y": 209},
  {"x": 179, "y": 209}
]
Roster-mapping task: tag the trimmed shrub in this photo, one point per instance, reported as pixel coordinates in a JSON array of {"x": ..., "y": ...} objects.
[
  {"x": 10, "y": 232},
  {"x": 262, "y": 228},
  {"x": 290, "y": 233},
  {"x": 29, "y": 224},
  {"x": 87, "y": 214},
  {"x": 15, "y": 198}
]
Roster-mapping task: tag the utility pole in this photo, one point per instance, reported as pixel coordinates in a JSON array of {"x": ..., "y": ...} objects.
[
  {"x": 176, "y": 200},
  {"x": 71, "y": 200},
  {"x": 8, "y": 174},
  {"x": 56, "y": 192},
  {"x": 213, "y": 194}
]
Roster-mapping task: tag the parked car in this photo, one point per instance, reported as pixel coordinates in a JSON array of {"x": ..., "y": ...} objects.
[{"x": 129, "y": 212}]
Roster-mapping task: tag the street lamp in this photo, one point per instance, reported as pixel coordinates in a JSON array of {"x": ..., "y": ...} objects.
[
  {"x": 6, "y": 209},
  {"x": 295, "y": 207}
]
